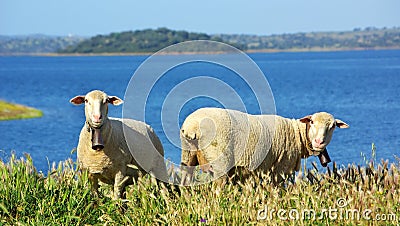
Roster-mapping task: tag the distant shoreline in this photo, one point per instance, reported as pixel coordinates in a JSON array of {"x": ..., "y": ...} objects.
[{"x": 294, "y": 50}]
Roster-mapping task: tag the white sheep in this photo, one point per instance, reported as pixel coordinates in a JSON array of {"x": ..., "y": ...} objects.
[
  {"x": 222, "y": 141},
  {"x": 106, "y": 145}
]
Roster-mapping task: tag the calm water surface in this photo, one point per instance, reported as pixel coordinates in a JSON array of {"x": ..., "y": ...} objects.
[{"x": 359, "y": 87}]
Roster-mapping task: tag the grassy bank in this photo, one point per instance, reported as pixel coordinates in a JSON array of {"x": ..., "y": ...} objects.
[
  {"x": 291, "y": 50},
  {"x": 9, "y": 111},
  {"x": 352, "y": 195}
]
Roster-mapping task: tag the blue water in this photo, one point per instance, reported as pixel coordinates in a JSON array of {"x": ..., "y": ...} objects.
[{"x": 361, "y": 88}]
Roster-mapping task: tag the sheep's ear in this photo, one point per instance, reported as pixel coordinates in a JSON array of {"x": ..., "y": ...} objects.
[
  {"x": 341, "y": 124},
  {"x": 306, "y": 119},
  {"x": 78, "y": 100},
  {"x": 114, "y": 100}
]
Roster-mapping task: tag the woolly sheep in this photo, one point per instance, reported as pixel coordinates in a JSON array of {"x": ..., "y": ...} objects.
[
  {"x": 223, "y": 142},
  {"x": 104, "y": 151}
]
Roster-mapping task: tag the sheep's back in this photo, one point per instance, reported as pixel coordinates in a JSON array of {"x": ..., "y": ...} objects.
[
  {"x": 284, "y": 155},
  {"x": 230, "y": 137},
  {"x": 258, "y": 141},
  {"x": 141, "y": 141}
]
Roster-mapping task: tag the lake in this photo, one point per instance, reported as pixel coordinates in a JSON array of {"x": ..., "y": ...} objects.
[{"x": 361, "y": 88}]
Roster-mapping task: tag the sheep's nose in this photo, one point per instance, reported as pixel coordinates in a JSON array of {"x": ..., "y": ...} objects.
[
  {"x": 97, "y": 118},
  {"x": 318, "y": 141}
]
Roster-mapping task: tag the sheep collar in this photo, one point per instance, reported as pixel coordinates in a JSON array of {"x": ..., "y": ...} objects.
[
  {"x": 97, "y": 139},
  {"x": 323, "y": 156},
  {"x": 308, "y": 144}
]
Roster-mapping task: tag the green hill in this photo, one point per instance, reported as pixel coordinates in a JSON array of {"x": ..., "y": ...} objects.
[{"x": 139, "y": 41}]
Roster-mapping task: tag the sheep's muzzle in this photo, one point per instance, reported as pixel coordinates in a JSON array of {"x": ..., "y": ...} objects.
[
  {"x": 97, "y": 139},
  {"x": 324, "y": 158}
]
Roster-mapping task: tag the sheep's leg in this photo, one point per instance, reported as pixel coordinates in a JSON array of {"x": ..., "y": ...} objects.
[
  {"x": 94, "y": 181},
  {"x": 220, "y": 182},
  {"x": 119, "y": 185},
  {"x": 221, "y": 166},
  {"x": 187, "y": 175}
]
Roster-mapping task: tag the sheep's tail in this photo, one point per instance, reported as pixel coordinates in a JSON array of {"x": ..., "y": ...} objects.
[{"x": 190, "y": 131}]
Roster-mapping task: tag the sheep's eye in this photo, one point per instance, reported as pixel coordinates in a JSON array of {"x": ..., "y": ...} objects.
[
  {"x": 312, "y": 122},
  {"x": 86, "y": 101}
]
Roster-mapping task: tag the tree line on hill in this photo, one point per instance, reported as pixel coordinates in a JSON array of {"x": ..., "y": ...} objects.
[
  {"x": 152, "y": 40},
  {"x": 36, "y": 44},
  {"x": 357, "y": 39}
]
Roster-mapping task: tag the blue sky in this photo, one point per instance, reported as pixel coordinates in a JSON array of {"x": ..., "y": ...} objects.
[{"x": 261, "y": 17}]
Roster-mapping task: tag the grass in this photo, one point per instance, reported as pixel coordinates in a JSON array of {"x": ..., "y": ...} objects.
[
  {"x": 360, "y": 195},
  {"x": 9, "y": 111}
]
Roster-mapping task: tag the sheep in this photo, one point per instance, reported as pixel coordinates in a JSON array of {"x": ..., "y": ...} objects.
[
  {"x": 224, "y": 142},
  {"x": 109, "y": 156}
]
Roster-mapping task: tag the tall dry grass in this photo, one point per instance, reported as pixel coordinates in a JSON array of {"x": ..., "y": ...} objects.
[{"x": 349, "y": 195}]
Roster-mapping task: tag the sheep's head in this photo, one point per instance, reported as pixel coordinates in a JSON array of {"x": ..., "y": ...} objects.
[
  {"x": 96, "y": 106},
  {"x": 321, "y": 126}
]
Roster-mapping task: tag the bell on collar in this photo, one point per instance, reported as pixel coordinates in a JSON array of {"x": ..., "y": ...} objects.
[
  {"x": 324, "y": 158},
  {"x": 97, "y": 140}
]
